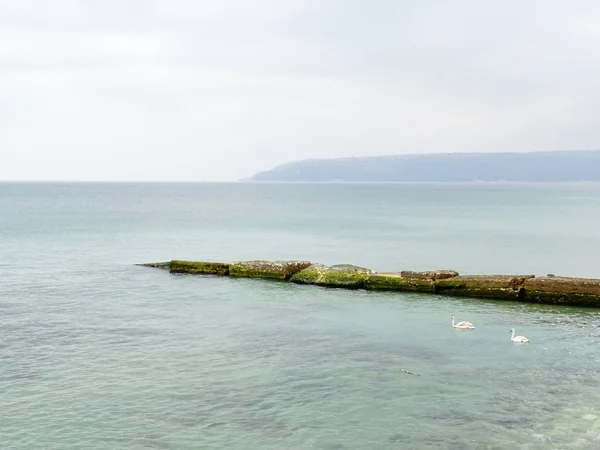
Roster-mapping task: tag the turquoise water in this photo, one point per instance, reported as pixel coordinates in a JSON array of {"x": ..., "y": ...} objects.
[{"x": 98, "y": 353}]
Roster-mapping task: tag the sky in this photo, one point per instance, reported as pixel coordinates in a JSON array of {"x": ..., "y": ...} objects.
[{"x": 193, "y": 90}]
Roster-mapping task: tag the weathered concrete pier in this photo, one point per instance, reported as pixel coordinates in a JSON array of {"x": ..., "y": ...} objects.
[{"x": 528, "y": 288}]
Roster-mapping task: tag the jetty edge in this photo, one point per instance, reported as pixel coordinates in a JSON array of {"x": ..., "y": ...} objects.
[{"x": 551, "y": 289}]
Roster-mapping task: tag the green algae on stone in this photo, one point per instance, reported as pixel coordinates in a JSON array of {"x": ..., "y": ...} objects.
[
  {"x": 396, "y": 282},
  {"x": 563, "y": 291},
  {"x": 501, "y": 287},
  {"x": 199, "y": 267},
  {"x": 346, "y": 275},
  {"x": 277, "y": 270},
  {"x": 312, "y": 274},
  {"x": 343, "y": 275}
]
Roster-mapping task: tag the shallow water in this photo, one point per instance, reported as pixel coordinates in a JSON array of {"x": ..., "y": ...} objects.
[{"x": 98, "y": 353}]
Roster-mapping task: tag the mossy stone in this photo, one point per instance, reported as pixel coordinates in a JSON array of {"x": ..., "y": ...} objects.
[
  {"x": 501, "y": 287},
  {"x": 555, "y": 290},
  {"x": 343, "y": 276},
  {"x": 199, "y": 267},
  {"x": 550, "y": 290},
  {"x": 430, "y": 274},
  {"x": 396, "y": 282},
  {"x": 277, "y": 270}
]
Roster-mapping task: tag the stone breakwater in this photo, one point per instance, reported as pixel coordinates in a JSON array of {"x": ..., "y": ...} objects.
[{"x": 550, "y": 289}]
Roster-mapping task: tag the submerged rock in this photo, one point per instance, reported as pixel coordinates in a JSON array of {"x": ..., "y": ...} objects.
[
  {"x": 502, "y": 287},
  {"x": 342, "y": 275},
  {"x": 278, "y": 270},
  {"x": 158, "y": 265},
  {"x": 563, "y": 291},
  {"x": 199, "y": 267},
  {"x": 398, "y": 282}
]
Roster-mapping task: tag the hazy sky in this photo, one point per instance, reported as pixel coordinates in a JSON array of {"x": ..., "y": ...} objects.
[{"x": 217, "y": 90}]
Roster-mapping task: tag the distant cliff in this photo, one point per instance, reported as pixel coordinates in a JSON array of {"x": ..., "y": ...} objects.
[{"x": 444, "y": 167}]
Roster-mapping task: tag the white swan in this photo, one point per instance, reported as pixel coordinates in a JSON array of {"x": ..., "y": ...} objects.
[
  {"x": 468, "y": 325},
  {"x": 517, "y": 338}
]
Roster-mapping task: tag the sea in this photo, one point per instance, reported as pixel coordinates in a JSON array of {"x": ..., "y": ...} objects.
[{"x": 97, "y": 352}]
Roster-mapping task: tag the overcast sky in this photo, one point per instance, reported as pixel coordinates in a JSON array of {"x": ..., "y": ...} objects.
[{"x": 217, "y": 90}]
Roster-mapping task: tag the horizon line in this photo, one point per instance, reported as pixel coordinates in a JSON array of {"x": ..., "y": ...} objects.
[{"x": 287, "y": 182}]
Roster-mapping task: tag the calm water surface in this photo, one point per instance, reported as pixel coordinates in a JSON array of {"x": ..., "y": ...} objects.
[{"x": 98, "y": 353}]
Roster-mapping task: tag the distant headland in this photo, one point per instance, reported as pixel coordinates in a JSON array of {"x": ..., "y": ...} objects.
[{"x": 549, "y": 166}]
